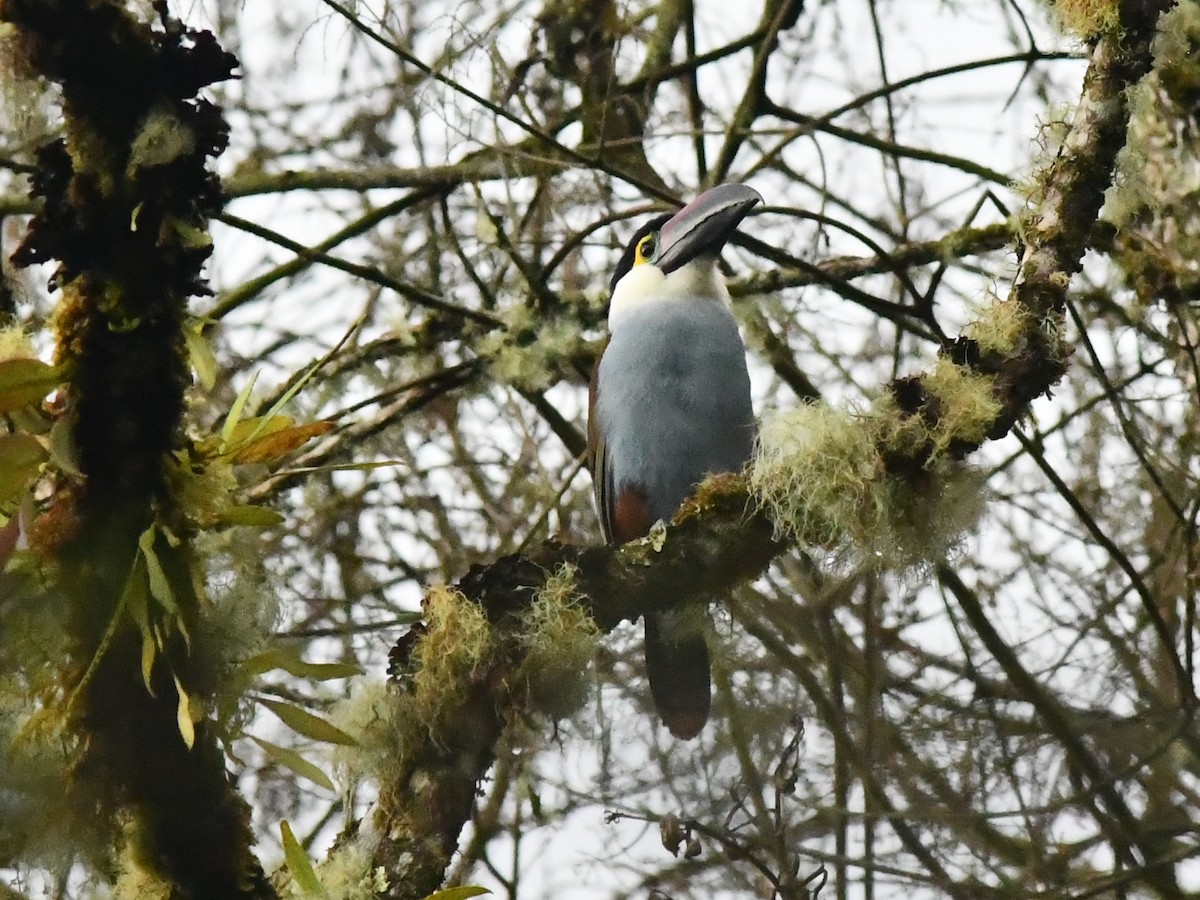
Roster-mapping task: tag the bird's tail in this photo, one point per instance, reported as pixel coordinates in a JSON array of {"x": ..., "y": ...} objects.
[{"x": 678, "y": 667}]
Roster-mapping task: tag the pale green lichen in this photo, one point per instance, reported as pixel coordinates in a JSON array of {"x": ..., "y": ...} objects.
[
  {"x": 999, "y": 327},
  {"x": 457, "y": 642},
  {"x": 1053, "y": 127},
  {"x": 817, "y": 472},
  {"x": 1156, "y": 168},
  {"x": 15, "y": 344},
  {"x": 656, "y": 537},
  {"x": 241, "y": 614},
  {"x": 559, "y": 640},
  {"x": 385, "y": 718},
  {"x": 459, "y": 636},
  {"x": 373, "y": 715},
  {"x": 820, "y": 475},
  {"x": 142, "y": 9},
  {"x": 347, "y": 873},
  {"x": 161, "y": 140},
  {"x": 1176, "y": 39},
  {"x": 38, "y": 823},
  {"x": 1139, "y": 182},
  {"x": 930, "y": 516},
  {"x": 28, "y": 117},
  {"x": 530, "y": 351},
  {"x": 138, "y": 884},
  {"x": 1086, "y": 19},
  {"x": 967, "y": 406},
  {"x": 204, "y": 489}
]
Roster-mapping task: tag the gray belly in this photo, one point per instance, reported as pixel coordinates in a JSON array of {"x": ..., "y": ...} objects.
[{"x": 674, "y": 404}]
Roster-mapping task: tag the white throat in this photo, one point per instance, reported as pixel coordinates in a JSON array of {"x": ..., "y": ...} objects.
[{"x": 642, "y": 285}]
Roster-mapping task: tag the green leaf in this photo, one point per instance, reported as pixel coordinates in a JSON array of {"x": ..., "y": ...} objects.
[
  {"x": 298, "y": 863},
  {"x": 235, "y": 411},
  {"x": 204, "y": 363},
  {"x": 252, "y": 516},
  {"x": 21, "y": 456},
  {"x": 149, "y": 654},
  {"x": 316, "y": 367},
  {"x": 344, "y": 467},
  {"x": 303, "y": 722},
  {"x": 290, "y": 662},
  {"x": 134, "y": 595},
  {"x": 135, "y": 601},
  {"x": 247, "y": 430},
  {"x": 458, "y": 893},
  {"x": 24, "y": 381},
  {"x": 63, "y": 451},
  {"x": 264, "y": 422},
  {"x": 160, "y": 585},
  {"x": 290, "y": 759},
  {"x": 183, "y": 716}
]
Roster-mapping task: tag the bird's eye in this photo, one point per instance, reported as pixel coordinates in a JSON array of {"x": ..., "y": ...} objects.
[{"x": 646, "y": 248}]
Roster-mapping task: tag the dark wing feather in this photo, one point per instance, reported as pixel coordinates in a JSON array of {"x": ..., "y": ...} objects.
[{"x": 602, "y": 488}]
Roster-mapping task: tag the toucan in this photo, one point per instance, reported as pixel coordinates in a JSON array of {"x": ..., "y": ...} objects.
[{"x": 669, "y": 404}]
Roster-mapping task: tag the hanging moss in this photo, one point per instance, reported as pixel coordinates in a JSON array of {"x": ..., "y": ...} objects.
[
  {"x": 1086, "y": 19},
  {"x": 559, "y": 641},
  {"x": 817, "y": 471},
  {"x": 457, "y": 642}
]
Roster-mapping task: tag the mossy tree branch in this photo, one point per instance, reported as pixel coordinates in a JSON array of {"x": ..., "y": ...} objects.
[
  {"x": 1056, "y": 233},
  {"x": 125, "y": 201},
  {"x": 716, "y": 542}
]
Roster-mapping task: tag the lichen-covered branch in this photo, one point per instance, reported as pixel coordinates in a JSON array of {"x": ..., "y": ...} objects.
[
  {"x": 125, "y": 201},
  {"x": 492, "y": 654},
  {"x": 1029, "y": 359},
  {"x": 886, "y": 480}
]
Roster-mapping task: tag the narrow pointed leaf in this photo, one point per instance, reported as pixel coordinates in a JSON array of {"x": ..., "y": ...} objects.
[
  {"x": 235, "y": 411},
  {"x": 298, "y": 863},
  {"x": 183, "y": 716},
  {"x": 200, "y": 353},
  {"x": 316, "y": 367},
  {"x": 149, "y": 654},
  {"x": 250, "y": 516},
  {"x": 135, "y": 602},
  {"x": 160, "y": 585},
  {"x": 63, "y": 451},
  {"x": 462, "y": 892},
  {"x": 290, "y": 662},
  {"x": 307, "y": 724},
  {"x": 290, "y": 759},
  {"x": 345, "y": 467},
  {"x": 249, "y": 430}
]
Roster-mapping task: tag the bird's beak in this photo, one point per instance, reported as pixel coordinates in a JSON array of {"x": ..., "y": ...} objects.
[{"x": 704, "y": 225}]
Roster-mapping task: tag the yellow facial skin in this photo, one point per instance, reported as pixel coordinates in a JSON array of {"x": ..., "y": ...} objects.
[{"x": 646, "y": 249}]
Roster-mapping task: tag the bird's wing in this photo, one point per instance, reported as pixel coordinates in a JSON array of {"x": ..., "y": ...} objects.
[{"x": 597, "y": 461}]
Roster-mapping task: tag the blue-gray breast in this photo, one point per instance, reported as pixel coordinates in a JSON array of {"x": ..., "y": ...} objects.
[{"x": 670, "y": 404}]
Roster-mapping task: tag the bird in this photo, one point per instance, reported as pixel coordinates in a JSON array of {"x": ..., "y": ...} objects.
[{"x": 668, "y": 405}]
